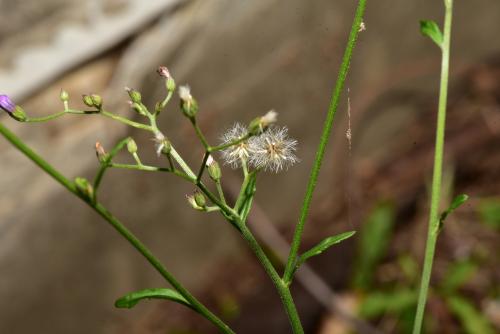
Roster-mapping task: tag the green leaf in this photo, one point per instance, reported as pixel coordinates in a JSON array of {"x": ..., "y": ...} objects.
[
  {"x": 457, "y": 202},
  {"x": 131, "y": 299},
  {"x": 489, "y": 210},
  {"x": 431, "y": 29},
  {"x": 472, "y": 320},
  {"x": 376, "y": 234},
  {"x": 324, "y": 245},
  {"x": 379, "y": 303},
  {"x": 457, "y": 275}
]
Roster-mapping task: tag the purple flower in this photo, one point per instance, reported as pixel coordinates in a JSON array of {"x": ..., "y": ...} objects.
[{"x": 7, "y": 104}]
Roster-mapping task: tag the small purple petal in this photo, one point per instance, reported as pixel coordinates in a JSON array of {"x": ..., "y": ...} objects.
[{"x": 7, "y": 104}]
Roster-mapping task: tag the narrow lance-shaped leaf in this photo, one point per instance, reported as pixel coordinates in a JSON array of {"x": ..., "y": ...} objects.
[
  {"x": 131, "y": 299},
  {"x": 431, "y": 30},
  {"x": 322, "y": 246},
  {"x": 457, "y": 202}
]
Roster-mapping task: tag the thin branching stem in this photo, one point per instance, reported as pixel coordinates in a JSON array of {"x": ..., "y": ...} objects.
[{"x": 118, "y": 226}]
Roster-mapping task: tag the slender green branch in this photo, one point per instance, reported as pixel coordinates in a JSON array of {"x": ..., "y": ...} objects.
[
  {"x": 203, "y": 166},
  {"x": 200, "y": 134},
  {"x": 433, "y": 228},
  {"x": 146, "y": 168},
  {"x": 218, "y": 185},
  {"x": 234, "y": 142},
  {"x": 106, "y": 160},
  {"x": 126, "y": 120},
  {"x": 118, "y": 226},
  {"x": 57, "y": 115},
  {"x": 344, "y": 67}
]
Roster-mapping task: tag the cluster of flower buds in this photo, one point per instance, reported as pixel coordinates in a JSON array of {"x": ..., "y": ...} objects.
[
  {"x": 92, "y": 101},
  {"x": 14, "y": 111}
]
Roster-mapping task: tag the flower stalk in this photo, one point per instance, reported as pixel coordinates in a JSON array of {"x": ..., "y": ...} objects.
[{"x": 433, "y": 228}]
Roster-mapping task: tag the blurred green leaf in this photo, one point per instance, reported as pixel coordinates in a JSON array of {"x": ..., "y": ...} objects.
[
  {"x": 323, "y": 245},
  {"x": 131, "y": 299},
  {"x": 489, "y": 210},
  {"x": 376, "y": 234},
  {"x": 431, "y": 29},
  {"x": 229, "y": 306},
  {"x": 379, "y": 303},
  {"x": 455, "y": 204},
  {"x": 409, "y": 267},
  {"x": 472, "y": 320},
  {"x": 457, "y": 275}
]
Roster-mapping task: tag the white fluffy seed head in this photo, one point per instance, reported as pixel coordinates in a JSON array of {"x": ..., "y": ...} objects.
[
  {"x": 273, "y": 150},
  {"x": 233, "y": 155}
]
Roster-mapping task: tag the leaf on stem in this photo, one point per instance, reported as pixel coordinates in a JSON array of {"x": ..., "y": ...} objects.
[
  {"x": 131, "y": 299},
  {"x": 457, "y": 202},
  {"x": 431, "y": 29},
  {"x": 322, "y": 246}
]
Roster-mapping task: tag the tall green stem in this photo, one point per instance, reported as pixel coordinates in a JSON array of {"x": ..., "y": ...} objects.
[
  {"x": 344, "y": 67},
  {"x": 433, "y": 228},
  {"x": 118, "y": 226}
]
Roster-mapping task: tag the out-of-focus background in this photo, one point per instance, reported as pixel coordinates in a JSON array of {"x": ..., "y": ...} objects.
[{"x": 62, "y": 267}]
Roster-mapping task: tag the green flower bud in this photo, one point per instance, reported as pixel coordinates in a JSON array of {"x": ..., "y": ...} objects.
[
  {"x": 189, "y": 108},
  {"x": 83, "y": 187},
  {"x": 100, "y": 152},
  {"x": 18, "y": 114},
  {"x": 213, "y": 169},
  {"x": 135, "y": 96},
  {"x": 260, "y": 124},
  {"x": 192, "y": 201},
  {"x": 131, "y": 146},
  {"x": 87, "y": 100},
  {"x": 170, "y": 84},
  {"x": 96, "y": 100},
  {"x": 200, "y": 200},
  {"x": 64, "y": 96}
]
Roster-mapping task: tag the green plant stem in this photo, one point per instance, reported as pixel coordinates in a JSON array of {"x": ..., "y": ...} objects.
[
  {"x": 433, "y": 228},
  {"x": 220, "y": 191},
  {"x": 105, "y": 164},
  {"x": 344, "y": 67},
  {"x": 224, "y": 146},
  {"x": 147, "y": 168},
  {"x": 92, "y": 112},
  {"x": 281, "y": 287},
  {"x": 118, "y": 226}
]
